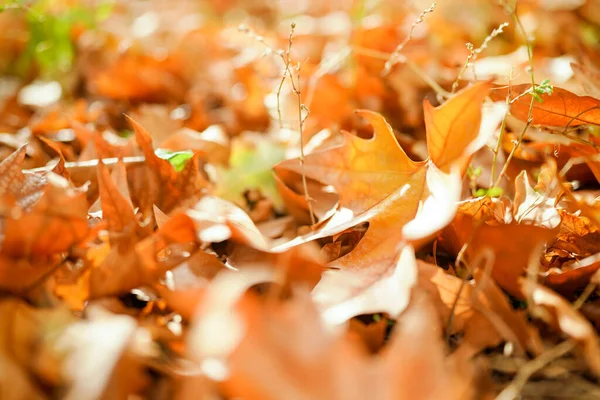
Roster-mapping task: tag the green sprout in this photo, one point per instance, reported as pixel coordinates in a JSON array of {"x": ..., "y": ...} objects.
[
  {"x": 494, "y": 191},
  {"x": 543, "y": 88}
]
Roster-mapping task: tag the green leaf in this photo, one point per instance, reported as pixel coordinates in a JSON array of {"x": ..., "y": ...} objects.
[
  {"x": 177, "y": 159},
  {"x": 251, "y": 166}
]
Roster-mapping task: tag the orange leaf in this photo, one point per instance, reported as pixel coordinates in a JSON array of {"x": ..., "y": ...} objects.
[
  {"x": 561, "y": 108},
  {"x": 362, "y": 171},
  {"x": 452, "y": 126}
]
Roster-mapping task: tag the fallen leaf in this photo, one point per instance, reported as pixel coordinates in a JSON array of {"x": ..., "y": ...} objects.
[
  {"x": 561, "y": 108},
  {"x": 157, "y": 182},
  {"x": 116, "y": 207},
  {"x": 53, "y": 225},
  {"x": 454, "y": 125},
  {"x": 510, "y": 259}
]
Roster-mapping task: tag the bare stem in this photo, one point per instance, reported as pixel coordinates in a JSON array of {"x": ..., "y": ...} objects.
[
  {"x": 529, "y": 45},
  {"x": 393, "y": 60},
  {"x": 285, "y": 56},
  {"x": 475, "y": 52},
  {"x": 528, "y": 369}
]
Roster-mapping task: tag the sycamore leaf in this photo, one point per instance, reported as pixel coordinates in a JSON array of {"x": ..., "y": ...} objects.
[
  {"x": 400, "y": 199},
  {"x": 561, "y": 108},
  {"x": 452, "y": 126}
]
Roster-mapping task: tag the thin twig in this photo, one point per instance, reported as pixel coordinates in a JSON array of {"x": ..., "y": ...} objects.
[
  {"x": 137, "y": 160},
  {"x": 474, "y": 54},
  {"x": 295, "y": 84},
  {"x": 381, "y": 55},
  {"x": 531, "y": 367},
  {"x": 393, "y": 60},
  {"x": 529, "y": 45}
]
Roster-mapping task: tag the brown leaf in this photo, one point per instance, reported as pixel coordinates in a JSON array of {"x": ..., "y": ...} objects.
[
  {"x": 510, "y": 258},
  {"x": 133, "y": 261},
  {"x": 116, "y": 208},
  {"x": 54, "y": 224},
  {"x": 26, "y": 189},
  {"x": 157, "y": 182},
  {"x": 59, "y": 168}
]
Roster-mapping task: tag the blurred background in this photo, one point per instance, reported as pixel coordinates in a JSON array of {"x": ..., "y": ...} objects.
[{"x": 219, "y": 64}]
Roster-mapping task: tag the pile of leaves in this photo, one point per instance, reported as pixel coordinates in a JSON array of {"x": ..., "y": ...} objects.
[{"x": 299, "y": 200}]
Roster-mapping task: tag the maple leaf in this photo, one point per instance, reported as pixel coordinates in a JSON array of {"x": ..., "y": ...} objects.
[{"x": 401, "y": 199}]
